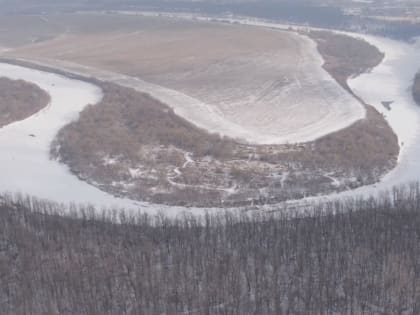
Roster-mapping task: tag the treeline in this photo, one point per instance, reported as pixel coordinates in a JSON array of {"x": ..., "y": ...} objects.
[
  {"x": 349, "y": 257},
  {"x": 398, "y": 30},
  {"x": 345, "y": 56},
  {"x": 125, "y": 120}
]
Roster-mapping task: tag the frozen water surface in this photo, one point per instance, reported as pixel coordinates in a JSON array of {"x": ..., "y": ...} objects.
[{"x": 25, "y": 165}]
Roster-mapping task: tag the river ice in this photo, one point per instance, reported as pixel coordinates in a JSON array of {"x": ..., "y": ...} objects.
[{"x": 25, "y": 165}]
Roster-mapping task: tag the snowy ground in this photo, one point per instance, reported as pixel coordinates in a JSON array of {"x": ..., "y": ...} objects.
[
  {"x": 26, "y": 167},
  {"x": 266, "y": 99},
  {"x": 391, "y": 81},
  {"x": 24, "y": 163},
  {"x": 245, "y": 82}
]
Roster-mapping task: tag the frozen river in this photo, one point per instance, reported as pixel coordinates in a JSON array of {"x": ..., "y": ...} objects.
[
  {"x": 391, "y": 81},
  {"x": 25, "y": 165}
]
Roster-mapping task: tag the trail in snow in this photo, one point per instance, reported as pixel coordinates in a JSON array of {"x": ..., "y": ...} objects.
[
  {"x": 188, "y": 159},
  {"x": 178, "y": 173}
]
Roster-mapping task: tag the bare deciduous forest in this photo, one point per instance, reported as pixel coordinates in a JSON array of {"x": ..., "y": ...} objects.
[
  {"x": 20, "y": 99},
  {"x": 345, "y": 56},
  {"x": 357, "y": 257},
  {"x": 132, "y": 145}
]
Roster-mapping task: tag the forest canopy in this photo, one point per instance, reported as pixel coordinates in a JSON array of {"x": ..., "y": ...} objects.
[{"x": 350, "y": 257}]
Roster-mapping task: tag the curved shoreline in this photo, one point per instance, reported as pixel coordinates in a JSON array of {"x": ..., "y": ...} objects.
[
  {"x": 234, "y": 88},
  {"x": 360, "y": 86},
  {"x": 26, "y": 166},
  {"x": 25, "y": 163},
  {"x": 392, "y": 80}
]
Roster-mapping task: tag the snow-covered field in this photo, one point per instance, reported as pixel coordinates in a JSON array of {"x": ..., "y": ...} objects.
[
  {"x": 391, "y": 81},
  {"x": 26, "y": 167},
  {"x": 275, "y": 98},
  {"x": 245, "y": 82}
]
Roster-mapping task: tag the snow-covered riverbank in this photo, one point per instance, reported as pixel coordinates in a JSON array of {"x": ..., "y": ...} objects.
[
  {"x": 391, "y": 81},
  {"x": 26, "y": 166},
  {"x": 24, "y": 163}
]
